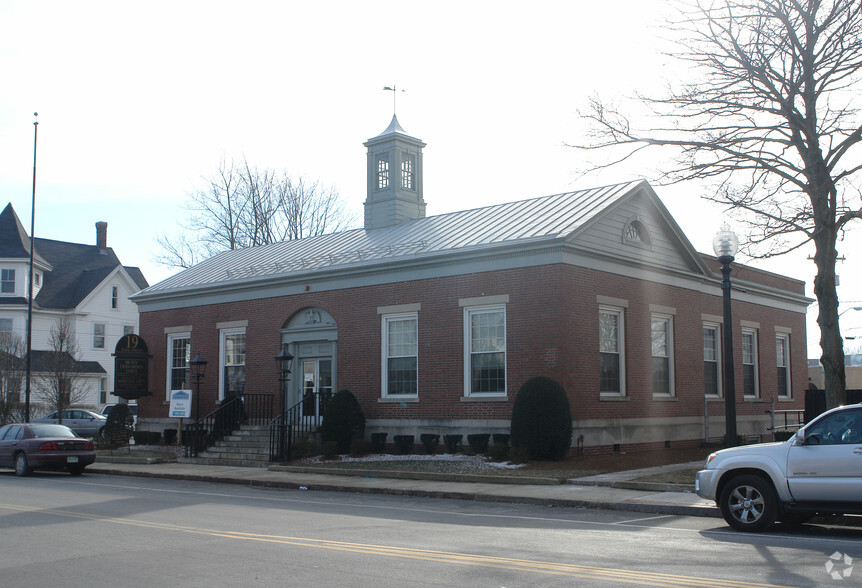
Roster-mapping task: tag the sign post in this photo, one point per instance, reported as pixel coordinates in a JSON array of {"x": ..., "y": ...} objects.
[{"x": 181, "y": 408}]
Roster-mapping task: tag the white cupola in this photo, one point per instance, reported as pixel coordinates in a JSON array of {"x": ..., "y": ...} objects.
[{"x": 394, "y": 178}]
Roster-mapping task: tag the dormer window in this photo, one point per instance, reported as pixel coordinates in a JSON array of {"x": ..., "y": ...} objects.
[
  {"x": 382, "y": 172},
  {"x": 115, "y": 297},
  {"x": 7, "y": 281},
  {"x": 407, "y": 166}
]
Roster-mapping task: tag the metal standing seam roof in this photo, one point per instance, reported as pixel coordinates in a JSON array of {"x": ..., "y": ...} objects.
[{"x": 545, "y": 218}]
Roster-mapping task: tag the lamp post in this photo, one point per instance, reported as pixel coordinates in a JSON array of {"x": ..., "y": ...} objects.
[
  {"x": 199, "y": 367},
  {"x": 283, "y": 360},
  {"x": 725, "y": 245}
]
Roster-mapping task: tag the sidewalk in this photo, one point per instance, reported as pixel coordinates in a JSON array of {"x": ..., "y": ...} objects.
[{"x": 614, "y": 491}]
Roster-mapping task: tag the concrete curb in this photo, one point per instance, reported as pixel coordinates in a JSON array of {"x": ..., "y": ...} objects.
[
  {"x": 633, "y": 505},
  {"x": 431, "y": 476}
]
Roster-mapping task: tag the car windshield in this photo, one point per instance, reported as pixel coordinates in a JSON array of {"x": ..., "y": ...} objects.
[{"x": 51, "y": 431}]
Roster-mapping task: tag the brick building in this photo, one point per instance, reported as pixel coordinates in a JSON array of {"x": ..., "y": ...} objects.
[{"x": 435, "y": 323}]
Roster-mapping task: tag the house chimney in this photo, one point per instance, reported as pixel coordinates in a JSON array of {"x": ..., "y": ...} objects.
[{"x": 102, "y": 235}]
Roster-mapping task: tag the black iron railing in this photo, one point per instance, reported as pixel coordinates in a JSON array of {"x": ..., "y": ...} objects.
[
  {"x": 298, "y": 422},
  {"x": 253, "y": 409}
]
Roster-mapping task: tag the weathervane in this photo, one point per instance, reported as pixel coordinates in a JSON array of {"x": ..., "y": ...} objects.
[{"x": 394, "y": 91}]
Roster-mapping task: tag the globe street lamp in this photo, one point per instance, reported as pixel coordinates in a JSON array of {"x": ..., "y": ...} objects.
[{"x": 725, "y": 245}]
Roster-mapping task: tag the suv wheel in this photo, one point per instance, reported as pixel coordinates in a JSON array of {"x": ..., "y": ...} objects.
[{"x": 748, "y": 503}]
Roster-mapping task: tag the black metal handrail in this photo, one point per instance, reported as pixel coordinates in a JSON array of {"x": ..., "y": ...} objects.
[
  {"x": 297, "y": 422},
  {"x": 254, "y": 409}
]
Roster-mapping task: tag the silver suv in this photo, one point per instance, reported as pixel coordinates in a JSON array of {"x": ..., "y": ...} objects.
[{"x": 818, "y": 470}]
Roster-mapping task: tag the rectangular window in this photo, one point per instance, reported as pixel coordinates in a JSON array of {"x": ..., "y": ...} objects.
[
  {"x": 749, "y": 362},
  {"x": 400, "y": 355},
  {"x": 662, "y": 354},
  {"x": 611, "y": 351},
  {"x": 711, "y": 360},
  {"x": 407, "y": 172},
  {"x": 382, "y": 172},
  {"x": 98, "y": 336},
  {"x": 179, "y": 356},
  {"x": 7, "y": 281},
  {"x": 115, "y": 297},
  {"x": 233, "y": 363},
  {"x": 103, "y": 390},
  {"x": 782, "y": 352},
  {"x": 6, "y": 325},
  {"x": 485, "y": 345}
]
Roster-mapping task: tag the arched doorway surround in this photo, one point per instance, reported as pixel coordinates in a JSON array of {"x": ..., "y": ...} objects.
[{"x": 311, "y": 335}]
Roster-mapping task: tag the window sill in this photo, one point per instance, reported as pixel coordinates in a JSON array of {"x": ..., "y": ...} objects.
[
  {"x": 664, "y": 398},
  {"x": 476, "y": 398},
  {"x": 713, "y": 398},
  {"x": 613, "y": 398},
  {"x": 785, "y": 399},
  {"x": 397, "y": 400}
]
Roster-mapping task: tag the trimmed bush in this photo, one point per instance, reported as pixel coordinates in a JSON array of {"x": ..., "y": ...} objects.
[
  {"x": 429, "y": 442},
  {"x": 378, "y": 442},
  {"x": 359, "y": 447},
  {"x": 784, "y": 435},
  {"x": 452, "y": 442},
  {"x": 170, "y": 436},
  {"x": 119, "y": 426},
  {"x": 498, "y": 451},
  {"x": 479, "y": 442},
  {"x": 403, "y": 444},
  {"x": 501, "y": 438},
  {"x": 343, "y": 421},
  {"x": 542, "y": 419}
]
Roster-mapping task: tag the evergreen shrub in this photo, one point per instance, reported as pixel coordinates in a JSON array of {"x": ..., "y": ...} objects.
[
  {"x": 542, "y": 420},
  {"x": 479, "y": 442},
  {"x": 429, "y": 442},
  {"x": 343, "y": 421},
  {"x": 452, "y": 442},
  {"x": 378, "y": 442},
  {"x": 403, "y": 444},
  {"x": 119, "y": 426}
]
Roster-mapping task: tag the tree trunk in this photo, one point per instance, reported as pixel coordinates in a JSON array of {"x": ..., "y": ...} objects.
[{"x": 831, "y": 343}]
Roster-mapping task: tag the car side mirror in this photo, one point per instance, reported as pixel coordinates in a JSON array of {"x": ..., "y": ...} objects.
[{"x": 800, "y": 437}]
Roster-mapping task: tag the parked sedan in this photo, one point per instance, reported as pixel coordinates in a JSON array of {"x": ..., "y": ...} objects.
[
  {"x": 84, "y": 422},
  {"x": 34, "y": 446}
]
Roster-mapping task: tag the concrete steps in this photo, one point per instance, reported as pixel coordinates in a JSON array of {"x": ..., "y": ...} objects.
[{"x": 247, "y": 447}]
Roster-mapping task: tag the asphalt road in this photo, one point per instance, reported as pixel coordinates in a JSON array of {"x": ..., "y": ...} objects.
[{"x": 101, "y": 530}]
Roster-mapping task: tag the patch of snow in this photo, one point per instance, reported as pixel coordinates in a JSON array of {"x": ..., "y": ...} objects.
[{"x": 477, "y": 460}]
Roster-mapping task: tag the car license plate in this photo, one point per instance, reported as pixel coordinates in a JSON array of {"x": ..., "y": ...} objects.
[{"x": 72, "y": 459}]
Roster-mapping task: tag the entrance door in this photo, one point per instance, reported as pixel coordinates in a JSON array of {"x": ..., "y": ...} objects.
[{"x": 316, "y": 387}]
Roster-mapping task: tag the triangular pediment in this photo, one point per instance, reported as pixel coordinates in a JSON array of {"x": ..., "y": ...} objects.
[{"x": 638, "y": 229}]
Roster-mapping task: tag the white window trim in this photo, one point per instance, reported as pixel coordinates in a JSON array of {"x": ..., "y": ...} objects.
[
  {"x": 469, "y": 311},
  {"x": 384, "y": 353},
  {"x": 719, "y": 366},
  {"x": 104, "y": 336},
  {"x": 170, "y": 359},
  {"x": 668, "y": 319},
  {"x": 753, "y": 333},
  {"x": 786, "y": 393},
  {"x": 223, "y": 334},
  {"x": 621, "y": 341}
]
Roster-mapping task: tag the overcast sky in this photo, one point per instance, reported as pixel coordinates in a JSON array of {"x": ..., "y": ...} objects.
[{"x": 138, "y": 101}]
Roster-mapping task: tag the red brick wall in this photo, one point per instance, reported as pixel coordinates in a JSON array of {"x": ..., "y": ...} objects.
[{"x": 552, "y": 330}]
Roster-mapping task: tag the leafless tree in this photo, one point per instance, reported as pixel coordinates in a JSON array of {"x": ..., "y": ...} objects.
[
  {"x": 243, "y": 206},
  {"x": 771, "y": 122},
  {"x": 58, "y": 378},
  {"x": 11, "y": 377}
]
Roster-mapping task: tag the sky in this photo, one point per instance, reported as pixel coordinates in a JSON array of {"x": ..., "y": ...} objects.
[{"x": 138, "y": 102}]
